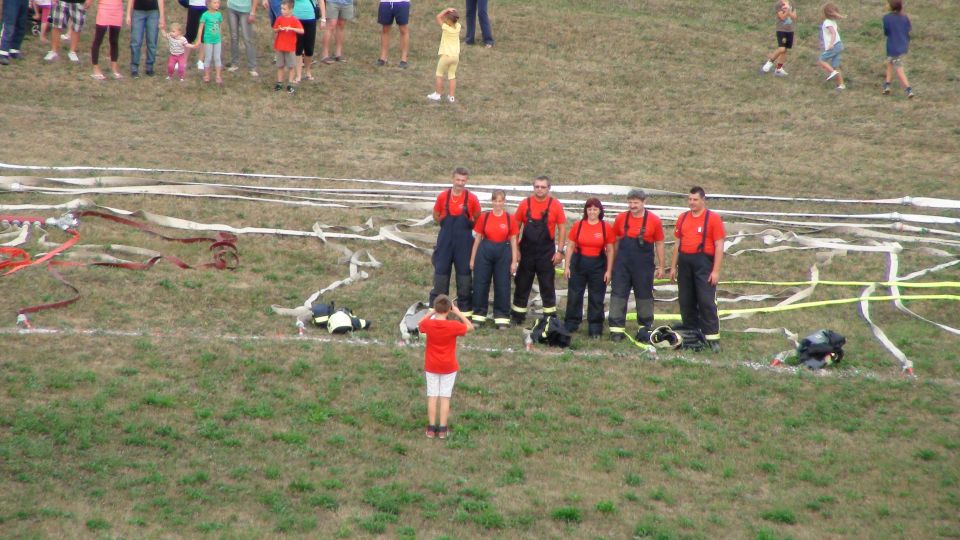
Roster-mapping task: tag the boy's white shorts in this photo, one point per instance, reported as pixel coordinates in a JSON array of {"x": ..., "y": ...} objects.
[{"x": 440, "y": 385}]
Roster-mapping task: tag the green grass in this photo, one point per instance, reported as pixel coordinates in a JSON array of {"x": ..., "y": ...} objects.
[{"x": 211, "y": 418}]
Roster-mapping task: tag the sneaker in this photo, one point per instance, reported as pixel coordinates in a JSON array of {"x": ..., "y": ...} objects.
[
  {"x": 832, "y": 74},
  {"x": 766, "y": 67},
  {"x": 231, "y": 68},
  {"x": 73, "y": 57},
  {"x": 841, "y": 88},
  {"x": 886, "y": 88},
  {"x": 51, "y": 56},
  {"x": 150, "y": 72},
  {"x": 200, "y": 65},
  {"x": 168, "y": 77},
  {"x": 16, "y": 55},
  {"x": 909, "y": 92},
  {"x": 403, "y": 64},
  {"x": 291, "y": 90},
  {"x": 431, "y": 432},
  {"x": 433, "y": 97},
  {"x": 488, "y": 45},
  {"x": 714, "y": 345},
  {"x": 381, "y": 62},
  {"x": 277, "y": 87},
  {"x": 182, "y": 79},
  {"x": 442, "y": 432},
  {"x": 451, "y": 99},
  {"x": 253, "y": 73},
  {"x": 135, "y": 74},
  {"x": 780, "y": 72}
]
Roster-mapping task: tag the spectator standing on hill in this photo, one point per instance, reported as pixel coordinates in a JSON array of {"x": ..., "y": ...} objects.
[
  {"x": 109, "y": 20},
  {"x": 212, "y": 38},
  {"x": 338, "y": 13},
  {"x": 896, "y": 26},
  {"x": 440, "y": 360},
  {"x": 832, "y": 45},
  {"x": 178, "y": 51},
  {"x": 589, "y": 265},
  {"x": 456, "y": 210},
  {"x": 66, "y": 14},
  {"x": 542, "y": 222},
  {"x": 478, "y": 9},
  {"x": 449, "y": 54},
  {"x": 195, "y": 10},
  {"x": 638, "y": 259},
  {"x": 387, "y": 13},
  {"x": 495, "y": 255},
  {"x": 786, "y": 21},
  {"x": 287, "y": 27},
  {"x": 307, "y": 12},
  {"x": 241, "y": 15},
  {"x": 697, "y": 258},
  {"x": 15, "y": 16},
  {"x": 145, "y": 19}
]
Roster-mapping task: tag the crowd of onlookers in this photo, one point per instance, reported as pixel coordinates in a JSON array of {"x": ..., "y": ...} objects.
[{"x": 295, "y": 25}]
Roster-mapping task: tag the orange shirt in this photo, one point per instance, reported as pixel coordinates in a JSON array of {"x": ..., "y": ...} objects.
[
  {"x": 286, "y": 40},
  {"x": 692, "y": 233},
  {"x": 590, "y": 238},
  {"x": 496, "y": 229},
  {"x": 537, "y": 209},
  {"x": 654, "y": 232},
  {"x": 441, "y": 350},
  {"x": 456, "y": 204}
]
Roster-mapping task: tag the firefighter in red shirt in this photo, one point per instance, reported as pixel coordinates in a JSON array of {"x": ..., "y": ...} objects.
[
  {"x": 697, "y": 258},
  {"x": 456, "y": 210},
  {"x": 543, "y": 224},
  {"x": 589, "y": 265}
]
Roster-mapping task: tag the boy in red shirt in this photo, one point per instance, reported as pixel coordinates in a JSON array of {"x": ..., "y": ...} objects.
[
  {"x": 286, "y": 28},
  {"x": 440, "y": 360}
]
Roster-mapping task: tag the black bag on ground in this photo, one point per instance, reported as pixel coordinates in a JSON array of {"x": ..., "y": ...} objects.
[
  {"x": 821, "y": 349},
  {"x": 551, "y": 331},
  {"x": 691, "y": 338}
]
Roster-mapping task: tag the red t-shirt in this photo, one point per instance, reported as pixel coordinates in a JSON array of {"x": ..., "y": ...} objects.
[
  {"x": 456, "y": 204},
  {"x": 654, "y": 232},
  {"x": 537, "y": 208},
  {"x": 441, "y": 351},
  {"x": 590, "y": 239},
  {"x": 692, "y": 233},
  {"x": 496, "y": 229},
  {"x": 286, "y": 40}
]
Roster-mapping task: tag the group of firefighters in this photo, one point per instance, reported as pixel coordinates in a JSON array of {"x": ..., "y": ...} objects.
[{"x": 484, "y": 247}]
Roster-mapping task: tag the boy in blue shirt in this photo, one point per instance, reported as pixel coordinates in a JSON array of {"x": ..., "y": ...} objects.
[{"x": 896, "y": 26}]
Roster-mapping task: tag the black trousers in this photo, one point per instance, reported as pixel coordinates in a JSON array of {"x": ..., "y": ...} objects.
[
  {"x": 698, "y": 299},
  {"x": 633, "y": 269},
  {"x": 492, "y": 261},
  {"x": 586, "y": 274},
  {"x": 539, "y": 265}
]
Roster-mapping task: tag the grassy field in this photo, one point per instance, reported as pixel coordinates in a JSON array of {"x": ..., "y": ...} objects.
[{"x": 175, "y": 403}]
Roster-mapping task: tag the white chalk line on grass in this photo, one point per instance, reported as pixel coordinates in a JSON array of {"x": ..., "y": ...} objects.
[{"x": 792, "y": 371}]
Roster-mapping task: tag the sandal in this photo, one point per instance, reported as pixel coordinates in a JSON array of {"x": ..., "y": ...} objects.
[
  {"x": 117, "y": 75},
  {"x": 340, "y": 59},
  {"x": 308, "y": 76},
  {"x": 98, "y": 76},
  {"x": 431, "y": 432},
  {"x": 327, "y": 60},
  {"x": 442, "y": 432}
]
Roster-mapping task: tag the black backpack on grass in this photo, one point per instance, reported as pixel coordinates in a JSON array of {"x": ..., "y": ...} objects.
[
  {"x": 551, "y": 331},
  {"x": 690, "y": 338},
  {"x": 821, "y": 349}
]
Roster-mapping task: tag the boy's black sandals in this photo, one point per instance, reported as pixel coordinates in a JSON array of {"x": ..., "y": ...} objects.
[
  {"x": 431, "y": 432},
  {"x": 442, "y": 432}
]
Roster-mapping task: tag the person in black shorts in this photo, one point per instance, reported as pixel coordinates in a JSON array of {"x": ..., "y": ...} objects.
[
  {"x": 786, "y": 19},
  {"x": 388, "y": 13}
]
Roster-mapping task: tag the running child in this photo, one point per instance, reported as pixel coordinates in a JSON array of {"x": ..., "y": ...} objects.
[
  {"x": 786, "y": 19},
  {"x": 896, "y": 26},
  {"x": 286, "y": 28},
  {"x": 440, "y": 360},
  {"x": 832, "y": 45},
  {"x": 209, "y": 33},
  {"x": 178, "y": 50},
  {"x": 449, "y": 54}
]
